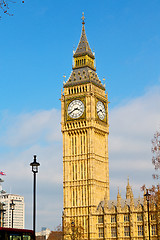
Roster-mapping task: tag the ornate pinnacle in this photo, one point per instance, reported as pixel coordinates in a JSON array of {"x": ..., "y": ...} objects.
[
  {"x": 64, "y": 76},
  {"x": 83, "y": 18}
]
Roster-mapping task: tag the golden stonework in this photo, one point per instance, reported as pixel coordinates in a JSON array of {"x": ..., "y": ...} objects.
[
  {"x": 88, "y": 212},
  {"x": 85, "y": 142}
]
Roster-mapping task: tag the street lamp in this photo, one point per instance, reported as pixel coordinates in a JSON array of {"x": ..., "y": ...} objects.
[
  {"x": 147, "y": 195},
  {"x": 12, "y": 207},
  {"x": 34, "y": 166},
  {"x": 73, "y": 227}
]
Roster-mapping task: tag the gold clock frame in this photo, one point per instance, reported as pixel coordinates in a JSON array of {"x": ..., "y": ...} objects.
[
  {"x": 68, "y": 101},
  {"x": 105, "y": 106}
]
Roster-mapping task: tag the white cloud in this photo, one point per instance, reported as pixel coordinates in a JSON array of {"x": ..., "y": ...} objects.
[
  {"x": 132, "y": 126},
  {"x": 25, "y": 135},
  {"x": 31, "y": 127}
]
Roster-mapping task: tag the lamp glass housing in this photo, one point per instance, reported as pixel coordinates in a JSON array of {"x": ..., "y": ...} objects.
[
  {"x": 34, "y": 168},
  {"x": 34, "y": 165}
]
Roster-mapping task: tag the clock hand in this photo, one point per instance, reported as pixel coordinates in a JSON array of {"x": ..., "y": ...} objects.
[
  {"x": 99, "y": 111},
  {"x": 74, "y": 110}
]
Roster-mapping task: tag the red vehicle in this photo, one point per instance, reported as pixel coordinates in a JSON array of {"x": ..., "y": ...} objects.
[{"x": 16, "y": 234}]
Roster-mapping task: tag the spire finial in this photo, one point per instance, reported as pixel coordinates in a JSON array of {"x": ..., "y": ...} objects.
[
  {"x": 64, "y": 76},
  {"x": 83, "y": 22},
  {"x": 128, "y": 181}
]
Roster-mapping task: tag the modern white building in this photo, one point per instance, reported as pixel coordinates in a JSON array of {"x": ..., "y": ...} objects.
[{"x": 18, "y": 212}]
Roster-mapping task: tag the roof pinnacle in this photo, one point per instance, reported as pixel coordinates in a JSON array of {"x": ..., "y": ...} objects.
[{"x": 83, "y": 17}]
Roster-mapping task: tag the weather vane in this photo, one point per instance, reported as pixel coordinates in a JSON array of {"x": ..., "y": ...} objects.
[{"x": 83, "y": 18}]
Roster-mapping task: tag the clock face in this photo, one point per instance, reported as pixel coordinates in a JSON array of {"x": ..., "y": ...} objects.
[
  {"x": 101, "y": 110},
  {"x": 75, "y": 109}
]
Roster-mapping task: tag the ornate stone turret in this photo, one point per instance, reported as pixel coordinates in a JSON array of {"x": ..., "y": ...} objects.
[
  {"x": 106, "y": 200},
  {"x": 144, "y": 201},
  {"x": 118, "y": 200},
  {"x": 128, "y": 190},
  {"x": 131, "y": 200}
]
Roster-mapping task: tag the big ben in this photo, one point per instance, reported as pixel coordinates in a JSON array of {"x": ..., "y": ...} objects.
[{"x": 85, "y": 129}]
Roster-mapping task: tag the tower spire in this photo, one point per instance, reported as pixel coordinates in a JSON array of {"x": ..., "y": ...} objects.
[
  {"x": 83, "y": 65},
  {"x": 83, "y": 46}
]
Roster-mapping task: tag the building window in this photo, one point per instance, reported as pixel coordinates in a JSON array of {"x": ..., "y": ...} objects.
[
  {"x": 76, "y": 197},
  {"x": 153, "y": 216},
  {"x": 126, "y": 231},
  {"x": 85, "y": 225},
  {"x": 81, "y": 170},
  {"x": 84, "y": 171},
  {"x": 75, "y": 171},
  {"x": 75, "y": 146},
  {"x": 72, "y": 144},
  {"x": 113, "y": 218},
  {"x": 85, "y": 196},
  {"x": 73, "y": 197},
  {"x": 154, "y": 229},
  {"x": 126, "y": 218},
  {"x": 139, "y": 217},
  {"x": 113, "y": 232},
  {"x": 81, "y": 144},
  {"x": 82, "y": 195},
  {"x": 100, "y": 219},
  {"x": 140, "y": 230},
  {"x": 100, "y": 230}
]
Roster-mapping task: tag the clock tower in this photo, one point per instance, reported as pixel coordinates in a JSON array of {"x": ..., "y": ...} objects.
[{"x": 85, "y": 130}]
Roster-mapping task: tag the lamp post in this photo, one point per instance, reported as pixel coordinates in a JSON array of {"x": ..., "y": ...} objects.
[
  {"x": 34, "y": 166},
  {"x": 73, "y": 227},
  {"x": 147, "y": 195},
  {"x": 12, "y": 207}
]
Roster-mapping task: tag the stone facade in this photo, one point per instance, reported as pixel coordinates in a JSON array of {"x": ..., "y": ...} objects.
[
  {"x": 85, "y": 129},
  {"x": 127, "y": 218}
]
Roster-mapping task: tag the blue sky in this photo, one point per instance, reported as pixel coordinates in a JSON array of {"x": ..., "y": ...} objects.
[{"x": 36, "y": 51}]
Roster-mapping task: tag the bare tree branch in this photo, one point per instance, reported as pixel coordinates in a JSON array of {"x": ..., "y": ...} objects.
[
  {"x": 5, "y": 7},
  {"x": 155, "y": 189},
  {"x": 156, "y": 153}
]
